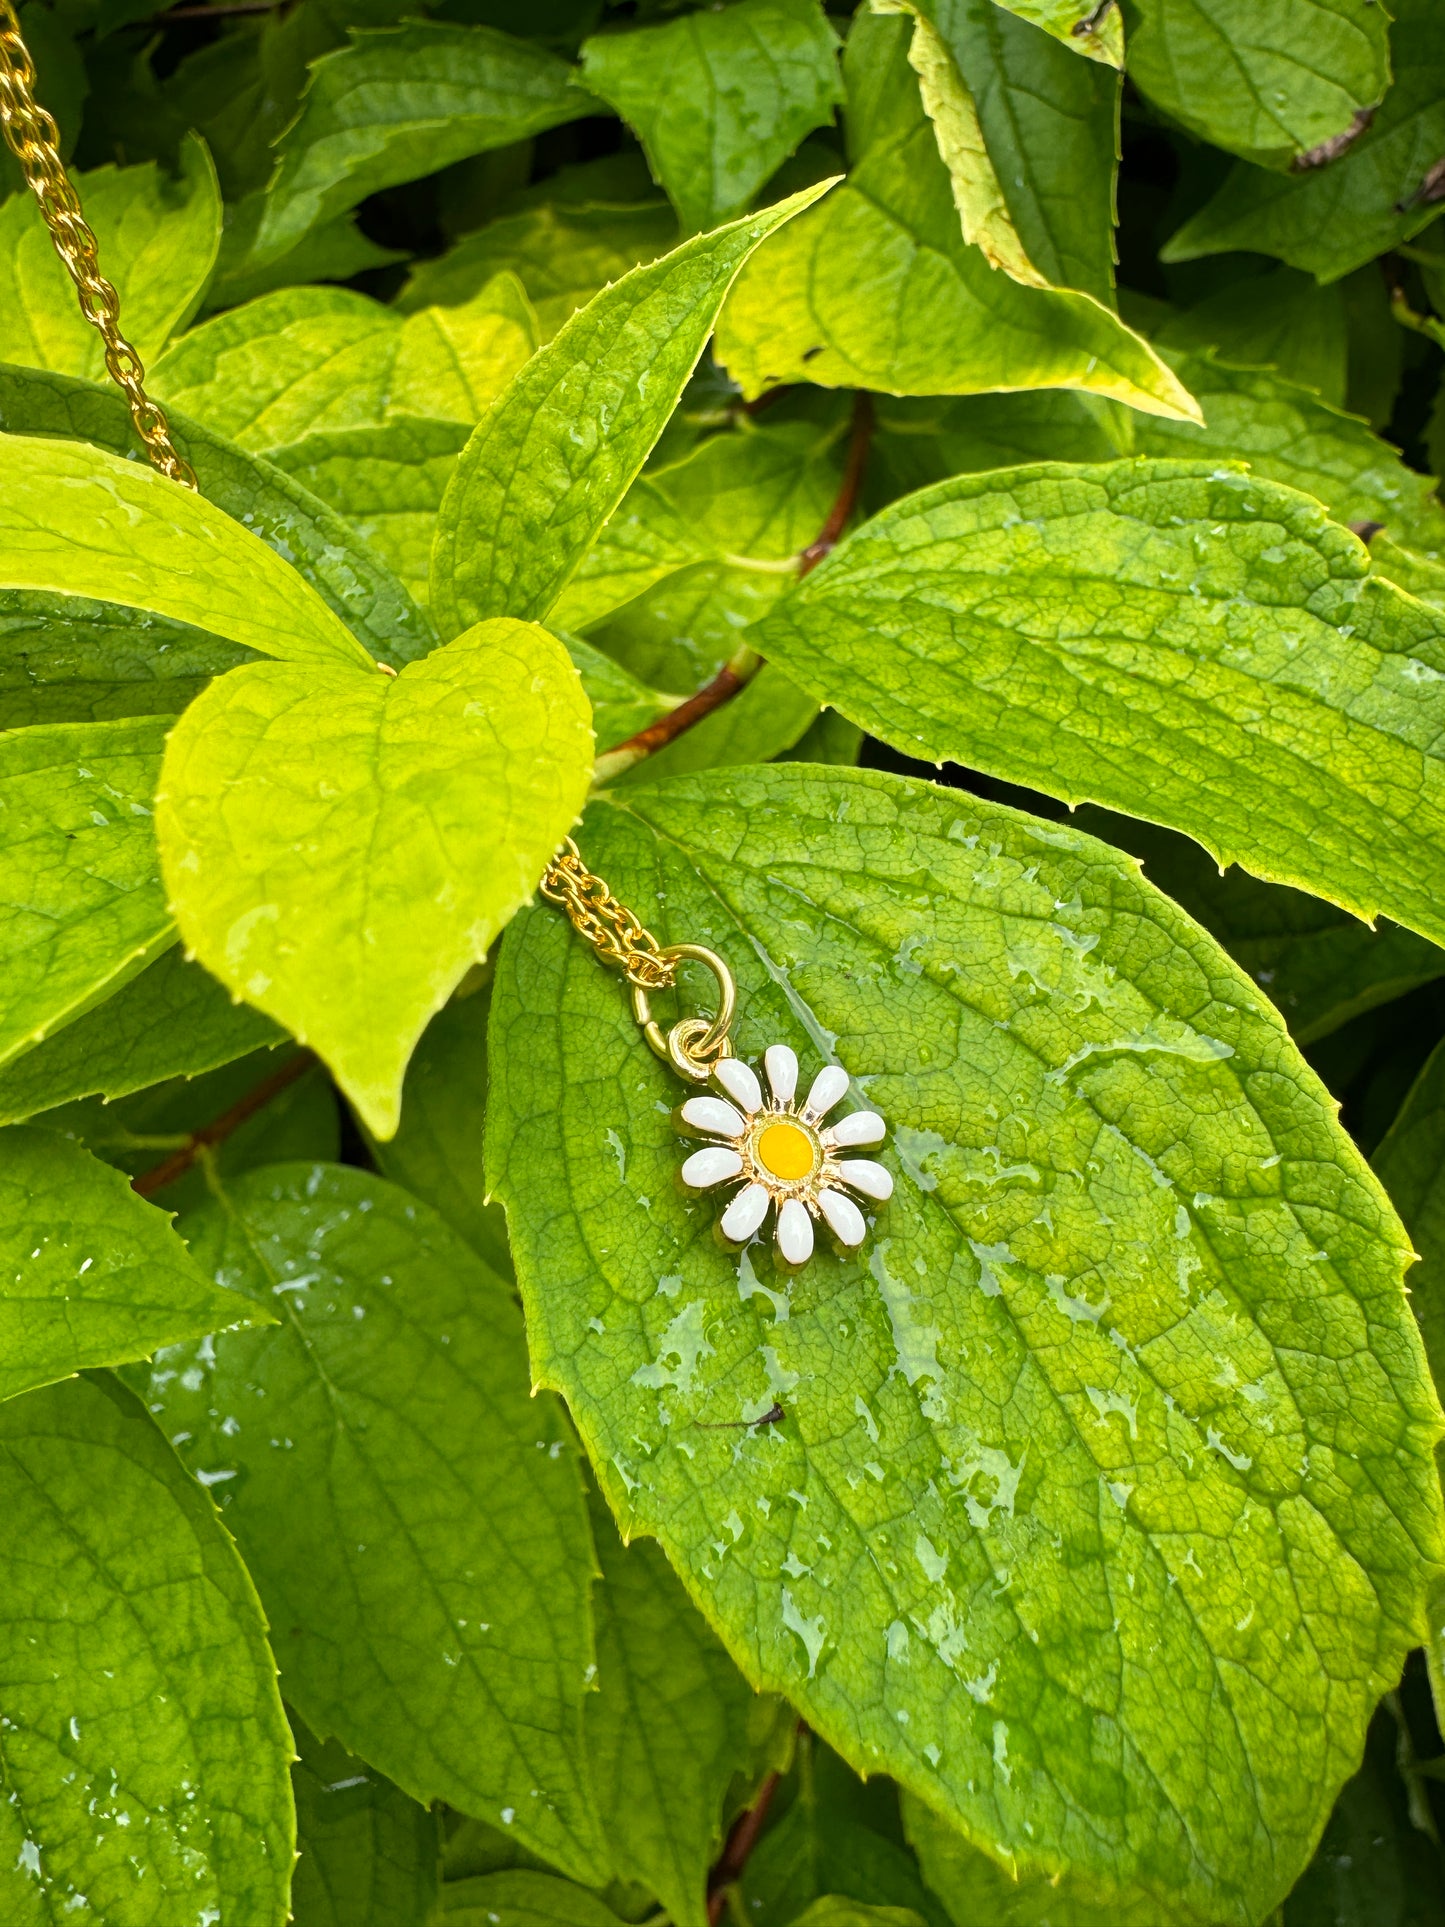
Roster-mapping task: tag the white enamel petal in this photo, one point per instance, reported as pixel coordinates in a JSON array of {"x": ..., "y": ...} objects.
[
  {"x": 738, "y": 1081},
  {"x": 795, "y": 1232},
  {"x": 745, "y": 1213},
  {"x": 714, "y": 1164},
  {"x": 859, "y": 1127},
  {"x": 828, "y": 1086},
  {"x": 782, "y": 1066},
  {"x": 862, "y": 1174},
  {"x": 845, "y": 1220},
  {"x": 715, "y": 1116}
]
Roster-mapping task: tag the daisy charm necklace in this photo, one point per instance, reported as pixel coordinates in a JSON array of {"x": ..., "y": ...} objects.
[{"x": 764, "y": 1152}]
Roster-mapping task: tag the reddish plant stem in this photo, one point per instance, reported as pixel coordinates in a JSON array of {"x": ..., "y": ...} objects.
[
  {"x": 740, "y": 1842},
  {"x": 220, "y": 1128},
  {"x": 727, "y": 682}
]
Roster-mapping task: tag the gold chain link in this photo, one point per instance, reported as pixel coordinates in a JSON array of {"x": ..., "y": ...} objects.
[
  {"x": 608, "y": 925},
  {"x": 33, "y": 138}
]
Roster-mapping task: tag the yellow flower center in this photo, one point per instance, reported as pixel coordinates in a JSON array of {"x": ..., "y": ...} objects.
[{"x": 785, "y": 1151}]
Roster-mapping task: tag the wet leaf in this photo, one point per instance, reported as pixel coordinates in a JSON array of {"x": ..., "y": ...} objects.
[
  {"x": 1092, "y": 1337},
  {"x": 340, "y": 848},
  {"x": 90, "y": 1274},
  {"x": 145, "y": 1746},
  {"x": 1200, "y": 648},
  {"x": 414, "y": 1522},
  {"x": 81, "y": 903},
  {"x": 1086, "y": 28},
  {"x": 556, "y": 454},
  {"x": 368, "y": 1855}
]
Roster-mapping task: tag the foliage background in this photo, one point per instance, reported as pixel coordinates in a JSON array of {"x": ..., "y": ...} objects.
[{"x": 1116, "y": 353}]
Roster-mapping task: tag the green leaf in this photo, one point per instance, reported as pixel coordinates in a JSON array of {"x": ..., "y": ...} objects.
[
  {"x": 1318, "y": 965},
  {"x": 158, "y": 241},
  {"x": 750, "y": 501},
  {"x": 66, "y": 659},
  {"x": 436, "y": 1152},
  {"x": 387, "y": 482},
  {"x": 1089, "y": 29},
  {"x": 1179, "y": 641},
  {"x": 522, "y": 1900},
  {"x": 306, "y": 360},
  {"x": 145, "y": 1746},
  {"x": 403, "y": 102},
  {"x": 769, "y": 716},
  {"x": 836, "y": 1835},
  {"x": 1410, "y": 1162},
  {"x": 1331, "y": 219},
  {"x": 720, "y": 99},
  {"x": 556, "y": 454},
  {"x": 90, "y": 1274},
  {"x": 173, "y": 1020},
  {"x": 673, "y": 1730},
  {"x": 309, "y": 536},
  {"x": 1030, "y": 137},
  {"x": 921, "y": 440},
  {"x": 420, "y": 1541},
  {"x": 1279, "y": 319},
  {"x": 368, "y": 1855},
  {"x": 334, "y": 250},
  {"x": 973, "y": 1887},
  {"x": 1267, "y": 80},
  {"x": 340, "y": 848},
  {"x": 563, "y": 256},
  {"x": 621, "y": 704},
  {"x": 878, "y": 288},
  {"x": 81, "y": 903},
  {"x": 834, "y": 1910},
  {"x": 1094, "y": 1335},
  {"x": 77, "y": 520}
]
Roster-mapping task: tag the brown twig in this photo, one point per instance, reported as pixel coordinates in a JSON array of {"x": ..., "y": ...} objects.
[
  {"x": 219, "y": 1129},
  {"x": 846, "y": 500},
  {"x": 736, "y": 674},
  {"x": 740, "y": 1843}
]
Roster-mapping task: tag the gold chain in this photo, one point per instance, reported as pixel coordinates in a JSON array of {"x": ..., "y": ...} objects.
[
  {"x": 609, "y": 926},
  {"x": 33, "y": 138}
]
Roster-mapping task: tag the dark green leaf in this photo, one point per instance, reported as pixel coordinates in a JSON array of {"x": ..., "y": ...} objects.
[
  {"x": 145, "y": 1746},
  {"x": 369, "y": 1856},
  {"x": 414, "y": 1521},
  {"x": 522, "y": 1900}
]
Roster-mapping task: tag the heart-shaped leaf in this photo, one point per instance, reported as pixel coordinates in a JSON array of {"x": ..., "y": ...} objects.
[
  {"x": 339, "y": 847},
  {"x": 1096, "y": 1497}
]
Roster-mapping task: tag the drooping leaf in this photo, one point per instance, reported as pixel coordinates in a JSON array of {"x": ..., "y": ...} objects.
[
  {"x": 368, "y": 1856},
  {"x": 555, "y": 455},
  {"x": 1331, "y": 219},
  {"x": 145, "y": 1746},
  {"x": 1093, "y": 1335},
  {"x": 90, "y": 1274},
  {"x": 340, "y": 848},
  {"x": 720, "y": 99},
  {"x": 81, "y": 903},
  {"x": 158, "y": 240},
  {"x": 307, "y": 360},
  {"x": 386, "y": 482},
  {"x": 1272, "y": 82},
  {"x": 77, "y": 520},
  {"x": 401, "y": 102},
  {"x": 563, "y": 255},
  {"x": 173, "y": 1020},
  {"x": 436, "y": 1153},
  {"x": 878, "y": 288},
  {"x": 417, "y": 1528},
  {"x": 673, "y": 1731},
  {"x": 308, "y": 535},
  {"x": 522, "y": 1900},
  {"x": 1030, "y": 137},
  {"x": 1092, "y": 30},
  {"x": 1318, "y": 965},
  {"x": 1178, "y": 641},
  {"x": 66, "y": 659}
]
